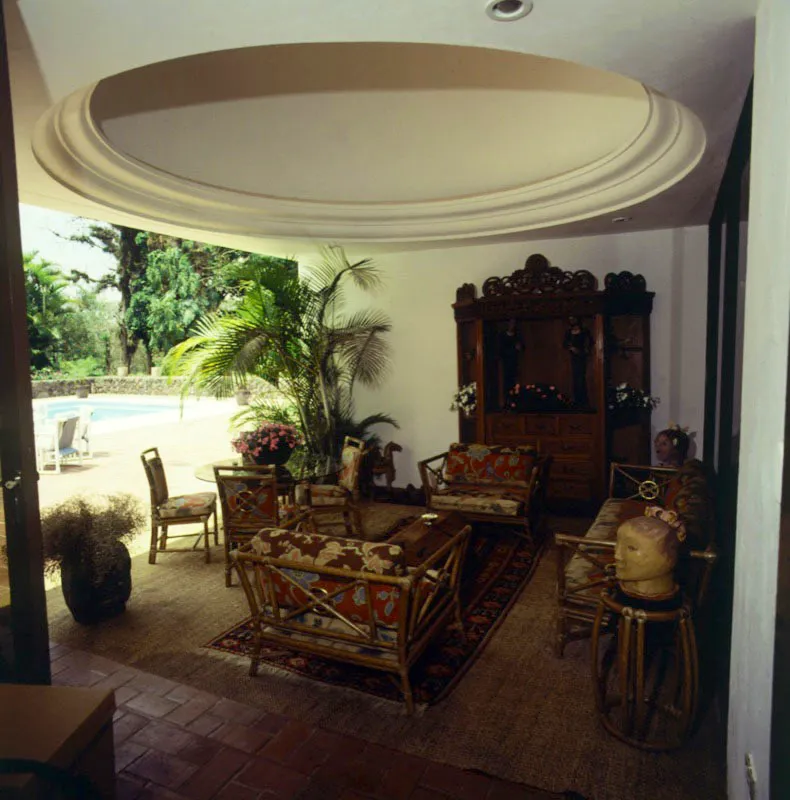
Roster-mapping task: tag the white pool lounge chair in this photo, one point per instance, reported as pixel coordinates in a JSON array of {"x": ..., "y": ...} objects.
[{"x": 58, "y": 446}]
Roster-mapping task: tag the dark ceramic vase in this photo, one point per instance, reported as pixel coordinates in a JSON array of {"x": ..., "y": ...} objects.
[
  {"x": 90, "y": 603},
  {"x": 276, "y": 457}
]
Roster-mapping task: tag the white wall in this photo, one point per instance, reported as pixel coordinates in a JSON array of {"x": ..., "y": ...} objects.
[
  {"x": 420, "y": 288},
  {"x": 764, "y": 390}
]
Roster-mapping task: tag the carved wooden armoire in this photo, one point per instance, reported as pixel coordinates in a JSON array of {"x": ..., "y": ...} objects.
[{"x": 546, "y": 349}]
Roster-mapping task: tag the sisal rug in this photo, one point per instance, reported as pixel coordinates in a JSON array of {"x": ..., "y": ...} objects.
[
  {"x": 497, "y": 568},
  {"x": 518, "y": 713}
]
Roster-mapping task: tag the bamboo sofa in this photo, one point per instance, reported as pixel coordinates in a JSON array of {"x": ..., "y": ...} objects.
[
  {"x": 489, "y": 483},
  {"x": 585, "y": 564},
  {"x": 349, "y": 600}
]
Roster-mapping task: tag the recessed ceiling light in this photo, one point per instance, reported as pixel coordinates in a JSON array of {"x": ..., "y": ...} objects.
[
  {"x": 621, "y": 219},
  {"x": 508, "y": 10}
]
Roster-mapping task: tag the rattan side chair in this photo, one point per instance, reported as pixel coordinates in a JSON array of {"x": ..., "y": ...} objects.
[
  {"x": 338, "y": 493},
  {"x": 248, "y": 497},
  {"x": 178, "y": 510}
]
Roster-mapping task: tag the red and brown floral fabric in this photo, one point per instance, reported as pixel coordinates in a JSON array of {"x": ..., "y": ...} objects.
[
  {"x": 298, "y": 586},
  {"x": 489, "y": 464}
]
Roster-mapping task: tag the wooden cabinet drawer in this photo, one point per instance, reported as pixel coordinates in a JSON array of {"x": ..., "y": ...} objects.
[
  {"x": 541, "y": 424},
  {"x": 580, "y": 445},
  {"x": 577, "y": 425},
  {"x": 570, "y": 490},
  {"x": 505, "y": 426},
  {"x": 572, "y": 468}
]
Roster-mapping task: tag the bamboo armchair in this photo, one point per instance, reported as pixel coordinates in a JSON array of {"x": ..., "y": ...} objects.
[
  {"x": 503, "y": 500},
  {"x": 359, "y": 605},
  {"x": 338, "y": 492}
]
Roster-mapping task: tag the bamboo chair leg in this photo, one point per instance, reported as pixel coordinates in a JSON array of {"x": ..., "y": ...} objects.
[
  {"x": 407, "y": 693},
  {"x": 255, "y": 659},
  {"x": 357, "y": 518},
  {"x": 216, "y": 528},
  {"x": 206, "y": 540},
  {"x": 154, "y": 543},
  {"x": 228, "y": 565},
  {"x": 459, "y": 618}
]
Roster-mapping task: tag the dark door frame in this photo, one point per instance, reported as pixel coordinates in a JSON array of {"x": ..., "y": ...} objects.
[
  {"x": 720, "y": 452},
  {"x": 28, "y": 614}
]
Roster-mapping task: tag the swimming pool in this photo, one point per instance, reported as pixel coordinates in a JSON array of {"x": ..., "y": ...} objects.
[{"x": 105, "y": 409}]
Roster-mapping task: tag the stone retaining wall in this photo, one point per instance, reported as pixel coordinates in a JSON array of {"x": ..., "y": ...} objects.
[{"x": 130, "y": 384}]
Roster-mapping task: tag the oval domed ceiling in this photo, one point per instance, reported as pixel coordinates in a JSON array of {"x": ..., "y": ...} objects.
[{"x": 368, "y": 141}]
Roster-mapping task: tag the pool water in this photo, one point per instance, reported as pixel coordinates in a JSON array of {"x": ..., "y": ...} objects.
[{"x": 106, "y": 409}]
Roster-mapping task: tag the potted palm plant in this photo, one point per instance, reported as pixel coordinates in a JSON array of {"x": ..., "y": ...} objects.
[
  {"x": 290, "y": 334},
  {"x": 84, "y": 538}
]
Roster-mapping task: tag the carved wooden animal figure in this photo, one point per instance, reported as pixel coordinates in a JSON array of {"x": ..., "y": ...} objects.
[{"x": 383, "y": 463}]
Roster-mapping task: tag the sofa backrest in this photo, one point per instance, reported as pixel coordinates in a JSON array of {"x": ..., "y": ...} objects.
[
  {"x": 489, "y": 463},
  {"x": 689, "y": 494},
  {"x": 312, "y": 553}
]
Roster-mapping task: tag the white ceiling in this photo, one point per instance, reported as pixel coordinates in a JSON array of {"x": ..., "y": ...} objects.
[{"x": 366, "y": 130}]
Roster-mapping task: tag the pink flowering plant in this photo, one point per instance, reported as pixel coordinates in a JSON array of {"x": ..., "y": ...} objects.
[{"x": 268, "y": 436}]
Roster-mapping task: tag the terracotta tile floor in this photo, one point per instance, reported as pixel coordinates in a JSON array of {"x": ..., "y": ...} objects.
[{"x": 174, "y": 741}]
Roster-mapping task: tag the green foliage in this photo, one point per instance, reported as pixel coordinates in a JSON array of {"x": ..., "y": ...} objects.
[
  {"x": 166, "y": 300},
  {"x": 86, "y": 367},
  {"x": 86, "y": 529},
  {"x": 292, "y": 334},
  {"x": 47, "y": 302}
]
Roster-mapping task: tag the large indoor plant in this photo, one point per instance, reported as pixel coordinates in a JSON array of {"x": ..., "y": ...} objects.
[
  {"x": 84, "y": 538},
  {"x": 291, "y": 333}
]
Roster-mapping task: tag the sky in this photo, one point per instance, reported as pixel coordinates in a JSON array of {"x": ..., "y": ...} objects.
[{"x": 42, "y": 230}]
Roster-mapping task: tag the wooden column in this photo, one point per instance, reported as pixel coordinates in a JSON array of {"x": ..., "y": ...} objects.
[{"x": 28, "y": 612}]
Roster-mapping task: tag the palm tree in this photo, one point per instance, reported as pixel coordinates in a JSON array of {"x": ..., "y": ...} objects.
[
  {"x": 47, "y": 302},
  {"x": 291, "y": 333}
]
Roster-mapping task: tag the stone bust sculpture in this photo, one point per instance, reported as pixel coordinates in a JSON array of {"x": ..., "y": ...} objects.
[{"x": 646, "y": 554}]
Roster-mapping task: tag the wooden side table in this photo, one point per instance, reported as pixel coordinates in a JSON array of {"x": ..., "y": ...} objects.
[
  {"x": 421, "y": 539},
  {"x": 65, "y": 727},
  {"x": 646, "y": 677}
]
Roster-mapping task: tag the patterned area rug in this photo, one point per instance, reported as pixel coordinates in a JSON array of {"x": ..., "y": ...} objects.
[{"x": 498, "y": 566}]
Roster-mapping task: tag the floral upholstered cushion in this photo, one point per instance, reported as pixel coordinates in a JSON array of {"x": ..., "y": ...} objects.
[
  {"x": 481, "y": 463},
  {"x": 481, "y": 500},
  {"x": 328, "y": 495},
  {"x": 319, "y": 623},
  {"x": 316, "y": 549},
  {"x": 297, "y": 587},
  {"x": 188, "y": 505},
  {"x": 351, "y": 461}
]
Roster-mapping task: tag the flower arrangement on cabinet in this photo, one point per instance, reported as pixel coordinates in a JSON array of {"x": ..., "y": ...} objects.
[
  {"x": 536, "y": 397},
  {"x": 465, "y": 399},
  {"x": 268, "y": 436},
  {"x": 626, "y": 396}
]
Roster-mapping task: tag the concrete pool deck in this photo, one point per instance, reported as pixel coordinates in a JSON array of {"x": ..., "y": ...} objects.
[{"x": 200, "y": 436}]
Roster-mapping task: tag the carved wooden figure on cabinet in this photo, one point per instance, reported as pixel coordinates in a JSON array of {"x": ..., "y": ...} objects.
[{"x": 578, "y": 342}]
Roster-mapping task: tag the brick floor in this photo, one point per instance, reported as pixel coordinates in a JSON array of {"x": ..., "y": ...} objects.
[{"x": 180, "y": 743}]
